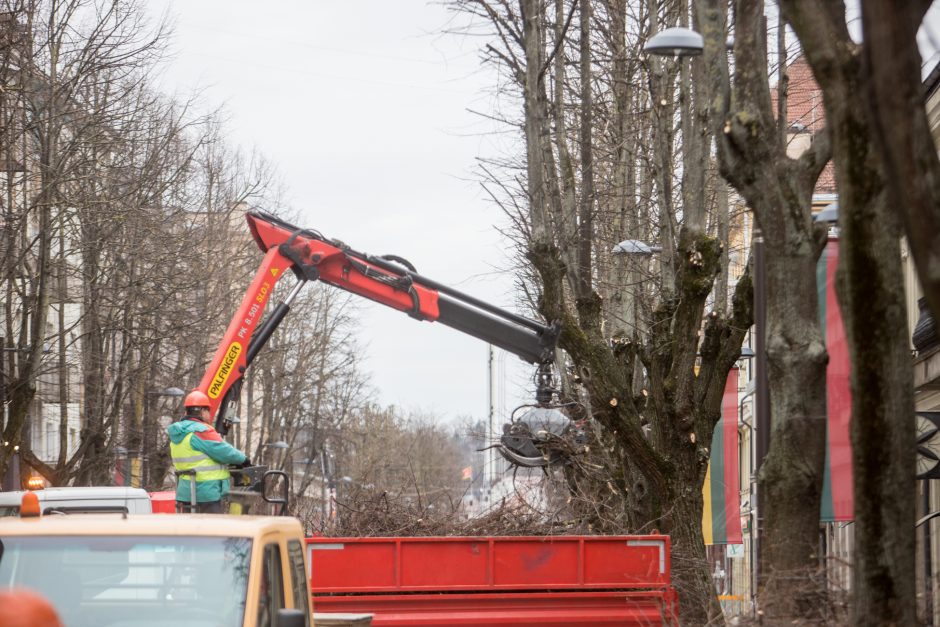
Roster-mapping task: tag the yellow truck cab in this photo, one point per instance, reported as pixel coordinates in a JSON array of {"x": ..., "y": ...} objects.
[{"x": 143, "y": 571}]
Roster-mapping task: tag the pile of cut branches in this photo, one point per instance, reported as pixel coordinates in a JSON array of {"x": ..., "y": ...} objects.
[{"x": 380, "y": 515}]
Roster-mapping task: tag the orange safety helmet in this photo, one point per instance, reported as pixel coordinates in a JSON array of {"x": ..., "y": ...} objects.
[
  {"x": 20, "y": 607},
  {"x": 196, "y": 399}
]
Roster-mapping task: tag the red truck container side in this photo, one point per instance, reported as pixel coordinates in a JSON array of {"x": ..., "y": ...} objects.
[{"x": 538, "y": 581}]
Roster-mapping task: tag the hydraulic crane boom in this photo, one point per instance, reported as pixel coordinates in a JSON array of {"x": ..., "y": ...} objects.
[{"x": 387, "y": 280}]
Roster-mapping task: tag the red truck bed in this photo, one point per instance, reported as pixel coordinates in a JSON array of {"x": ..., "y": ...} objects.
[{"x": 539, "y": 581}]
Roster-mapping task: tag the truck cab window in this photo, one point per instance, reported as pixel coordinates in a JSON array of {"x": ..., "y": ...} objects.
[
  {"x": 295, "y": 552},
  {"x": 271, "y": 597}
]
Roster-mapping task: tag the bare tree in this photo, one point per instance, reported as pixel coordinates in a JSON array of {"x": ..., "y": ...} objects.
[
  {"x": 649, "y": 363},
  {"x": 752, "y": 151},
  {"x": 62, "y": 56},
  {"x": 871, "y": 296},
  {"x": 313, "y": 385},
  {"x": 400, "y": 472},
  {"x": 126, "y": 249},
  {"x": 894, "y": 95}
]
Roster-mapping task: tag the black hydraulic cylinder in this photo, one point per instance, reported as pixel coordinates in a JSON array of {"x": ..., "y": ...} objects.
[
  {"x": 536, "y": 347},
  {"x": 264, "y": 332},
  {"x": 258, "y": 340}
]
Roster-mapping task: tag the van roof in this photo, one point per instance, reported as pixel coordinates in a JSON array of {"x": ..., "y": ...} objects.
[
  {"x": 77, "y": 494},
  {"x": 156, "y": 525}
]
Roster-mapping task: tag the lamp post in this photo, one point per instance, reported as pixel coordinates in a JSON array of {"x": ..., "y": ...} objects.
[
  {"x": 674, "y": 42},
  {"x": 11, "y": 477},
  {"x": 761, "y": 389},
  {"x": 326, "y": 481},
  {"x": 686, "y": 42},
  {"x": 626, "y": 274}
]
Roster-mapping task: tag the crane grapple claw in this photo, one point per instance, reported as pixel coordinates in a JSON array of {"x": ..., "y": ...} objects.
[
  {"x": 543, "y": 436},
  {"x": 521, "y": 460}
]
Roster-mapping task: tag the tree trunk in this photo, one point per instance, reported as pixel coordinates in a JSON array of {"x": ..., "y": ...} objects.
[
  {"x": 691, "y": 573},
  {"x": 656, "y": 435},
  {"x": 753, "y": 158},
  {"x": 871, "y": 296},
  {"x": 894, "y": 96},
  {"x": 585, "y": 238},
  {"x": 535, "y": 120},
  {"x": 791, "y": 476}
]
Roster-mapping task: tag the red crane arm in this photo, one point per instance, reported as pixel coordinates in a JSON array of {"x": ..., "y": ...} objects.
[
  {"x": 231, "y": 357},
  {"x": 337, "y": 265},
  {"x": 386, "y": 280}
]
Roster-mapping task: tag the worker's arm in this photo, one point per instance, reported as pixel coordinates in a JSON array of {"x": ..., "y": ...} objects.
[{"x": 212, "y": 444}]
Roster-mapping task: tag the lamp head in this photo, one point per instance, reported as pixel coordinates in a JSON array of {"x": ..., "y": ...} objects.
[{"x": 676, "y": 42}]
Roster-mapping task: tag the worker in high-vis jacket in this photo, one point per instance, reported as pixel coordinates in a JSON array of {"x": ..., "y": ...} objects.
[{"x": 196, "y": 446}]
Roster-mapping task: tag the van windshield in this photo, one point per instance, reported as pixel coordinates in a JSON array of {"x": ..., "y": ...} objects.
[{"x": 127, "y": 581}]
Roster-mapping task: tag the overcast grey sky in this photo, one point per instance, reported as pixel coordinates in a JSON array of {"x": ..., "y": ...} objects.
[{"x": 363, "y": 108}]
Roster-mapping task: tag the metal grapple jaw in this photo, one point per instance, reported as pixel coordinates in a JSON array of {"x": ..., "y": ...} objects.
[{"x": 543, "y": 435}]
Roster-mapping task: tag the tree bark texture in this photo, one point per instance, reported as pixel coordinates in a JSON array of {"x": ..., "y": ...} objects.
[
  {"x": 871, "y": 296},
  {"x": 778, "y": 189},
  {"x": 586, "y": 208},
  {"x": 894, "y": 95}
]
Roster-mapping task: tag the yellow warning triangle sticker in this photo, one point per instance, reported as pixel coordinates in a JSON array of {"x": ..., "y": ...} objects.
[{"x": 273, "y": 271}]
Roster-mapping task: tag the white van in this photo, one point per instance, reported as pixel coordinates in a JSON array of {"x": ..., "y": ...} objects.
[{"x": 91, "y": 500}]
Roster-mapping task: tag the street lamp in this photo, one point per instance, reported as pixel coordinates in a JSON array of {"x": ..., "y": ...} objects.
[
  {"x": 631, "y": 256},
  {"x": 172, "y": 391},
  {"x": 635, "y": 247},
  {"x": 676, "y": 42},
  {"x": 829, "y": 215}
]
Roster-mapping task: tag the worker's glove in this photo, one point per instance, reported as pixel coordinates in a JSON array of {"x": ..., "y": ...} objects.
[{"x": 245, "y": 464}]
